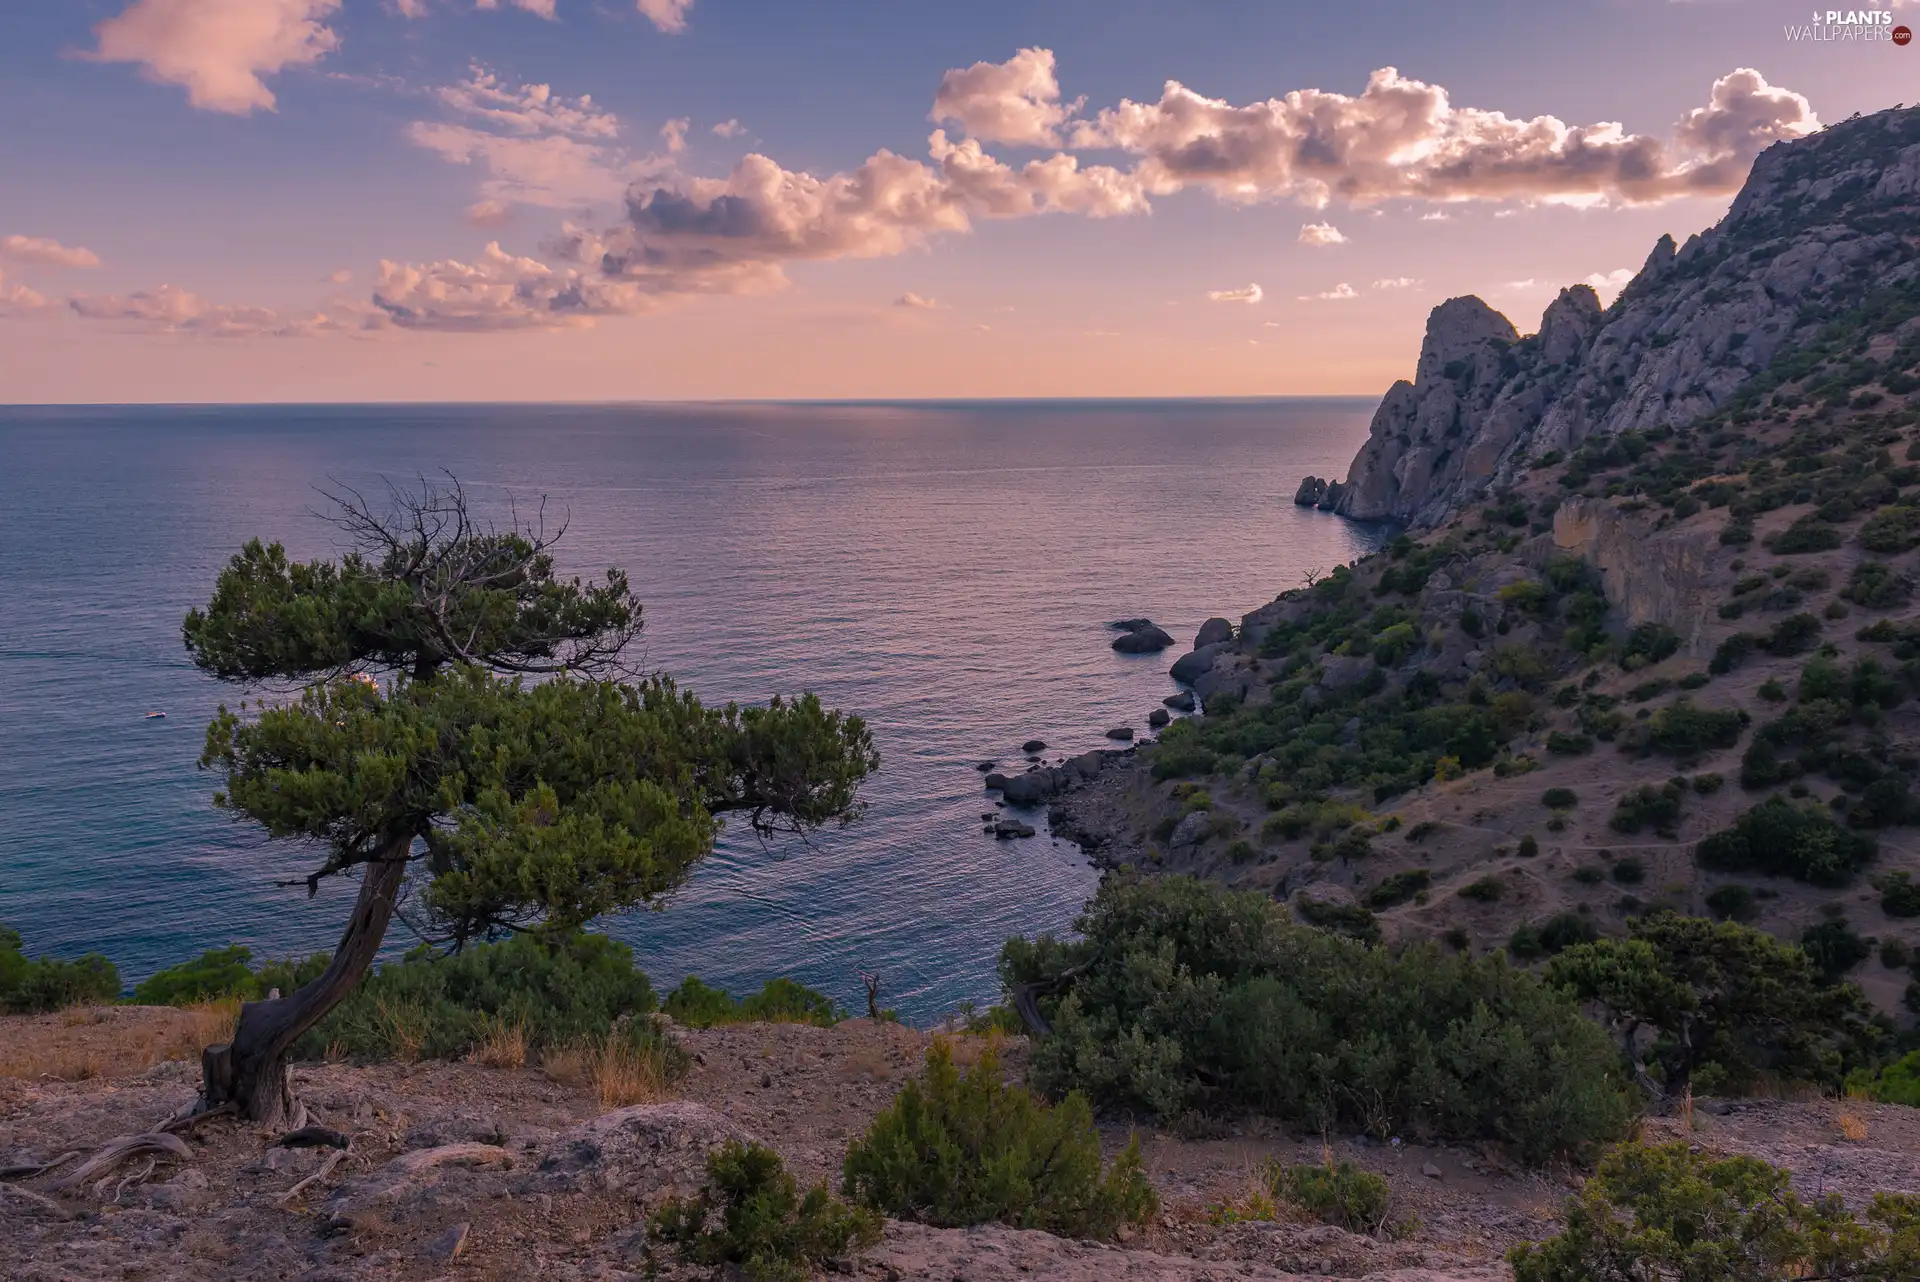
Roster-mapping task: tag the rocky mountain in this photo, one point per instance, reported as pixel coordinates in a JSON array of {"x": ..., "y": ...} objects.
[{"x": 1820, "y": 222}]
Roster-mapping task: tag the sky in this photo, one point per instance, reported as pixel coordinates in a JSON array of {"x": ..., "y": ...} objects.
[{"x": 610, "y": 200}]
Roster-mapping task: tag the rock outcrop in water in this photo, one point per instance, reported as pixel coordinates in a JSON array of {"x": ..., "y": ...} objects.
[{"x": 1820, "y": 222}]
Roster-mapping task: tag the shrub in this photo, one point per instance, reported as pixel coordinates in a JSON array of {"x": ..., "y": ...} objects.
[
  {"x": 1731, "y": 653},
  {"x": 1398, "y": 888},
  {"x": 1336, "y": 1193},
  {"x": 1529, "y": 846},
  {"x": 779, "y": 1001},
  {"x": 559, "y": 991},
  {"x": 1732, "y": 902},
  {"x": 766, "y": 1227},
  {"x": 1562, "y": 744},
  {"x": 46, "y": 983},
  {"x": 1684, "y": 731},
  {"x": 1835, "y": 947},
  {"x": 1793, "y": 634},
  {"x": 1899, "y": 897},
  {"x": 1805, "y": 535},
  {"x": 1181, "y": 996},
  {"x": 1629, "y": 871},
  {"x": 1649, "y": 643},
  {"x": 1350, "y": 920},
  {"x": 1559, "y": 798},
  {"x": 1668, "y": 1212},
  {"x": 1892, "y": 530},
  {"x": 1708, "y": 784},
  {"x": 223, "y": 972},
  {"x": 1553, "y": 936},
  {"x": 1877, "y": 586},
  {"x": 1422, "y": 830},
  {"x": 1655, "y": 806},
  {"x": 1895, "y": 1083},
  {"x": 1486, "y": 890},
  {"x": 954, "y": 1150},
  {"x": 1781, "y": 839},
  {"x": 1719, "y": 996}
]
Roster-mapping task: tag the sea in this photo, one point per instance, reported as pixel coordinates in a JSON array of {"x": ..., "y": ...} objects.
[{"x": 948, "y": 571}]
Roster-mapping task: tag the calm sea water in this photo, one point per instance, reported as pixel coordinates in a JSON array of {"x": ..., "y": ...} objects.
[{"x": 946, "y": 571}]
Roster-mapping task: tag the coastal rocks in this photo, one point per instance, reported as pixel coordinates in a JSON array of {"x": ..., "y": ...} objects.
[
  {"x": 1145, "y": 639},
  {"x": 1188, "y": 667},
  {"x": 1030, "y": 788},
  {"x": 1042, "y": 782},
  {"x": 1312, "y": 490},
  {"x": 1213, "y": 632},
  {"x": 1120, "y": 732},
  {"x": 1159, "y": 717},
  {"x": 1034, "y": 745},
  {"x": 986, "y": 767},
  {"x": 1181, "y": 702},
  {"x": 996, "y": 781},
  {"x": 1007, "y": 829},
  {"x": 1808, "y": 237}
]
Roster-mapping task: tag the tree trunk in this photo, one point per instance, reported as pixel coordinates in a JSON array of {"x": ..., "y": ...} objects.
[{"x": 250, "y": 1072}]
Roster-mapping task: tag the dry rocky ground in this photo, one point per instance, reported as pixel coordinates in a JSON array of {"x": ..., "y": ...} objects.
[{"x": 464, "y": 1171}]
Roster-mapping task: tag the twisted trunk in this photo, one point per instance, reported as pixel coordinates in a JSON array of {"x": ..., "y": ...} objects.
[{"x": 250, "y": 1072}]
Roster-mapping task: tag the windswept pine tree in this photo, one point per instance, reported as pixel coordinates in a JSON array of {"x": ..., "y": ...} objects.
[{"x": 467, "y": 734}]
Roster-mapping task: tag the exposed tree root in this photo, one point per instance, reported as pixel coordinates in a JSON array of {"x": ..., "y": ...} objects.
[
  {"x": 29, "y": 1172},
  {"x": 119, "y": 1150},
  {"x": 326, "y": 1168},
  {"x": 138, "y": 1177}
]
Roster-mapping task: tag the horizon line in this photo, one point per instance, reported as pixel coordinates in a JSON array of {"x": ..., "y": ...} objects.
[{"x": 717, "y": 401}]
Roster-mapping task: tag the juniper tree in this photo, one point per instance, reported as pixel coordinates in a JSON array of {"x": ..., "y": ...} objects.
[{"x": 467, "y": 735}]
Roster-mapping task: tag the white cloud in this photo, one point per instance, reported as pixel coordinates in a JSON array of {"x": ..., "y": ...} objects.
[
  {"x": 218, "y": 50},
  {"x": 1402, "y": 137},
  {"x": 17, "y": 299},
  {"x": 1522, "y": 286},
  {"x": 674, "y": 133},
  {"x": 498, "y": 292},
  {"x": 1609, "y": 284},
  {"x": 729, "y": 129},
  {"x": 668, "y": 15},
  {"x": 1245, "y": 294},
  {"x": 1016, "y": 101},
  {"x": 1396, "y": 282},
  {"x": 41, "y": 251},
  {"x": 1338, "y": 293},
  {"x": 339, "y": 277},
  {"x": 537, "y": 147},
  {"x": 1505, "y": 213},
  {"x": 488, "y": 213},
  {"x": 1435, "y": 216},
  {"x": 544, "y": 8},
  {"x": 172, "y": 310},
  {"x": 1321, "y": 234},
  {"x": 915, "y": 301}
]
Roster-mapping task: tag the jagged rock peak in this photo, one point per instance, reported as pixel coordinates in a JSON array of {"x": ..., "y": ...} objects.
[{"x": 1821, "y": 222}]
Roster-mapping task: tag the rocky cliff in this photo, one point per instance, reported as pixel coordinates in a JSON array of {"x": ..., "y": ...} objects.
[{"x": 1821, "y": 221}]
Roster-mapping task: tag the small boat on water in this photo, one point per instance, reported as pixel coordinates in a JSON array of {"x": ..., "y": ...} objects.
[{"x": 155, "y": 716}]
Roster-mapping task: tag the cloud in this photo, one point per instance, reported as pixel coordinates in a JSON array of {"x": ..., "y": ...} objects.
[
  {"x": 1016, "y": 101},
  {"x": 172, "y": 310},
  {"x": 499, "y": 292},
  {"x": 339, "y": 277},
  {"x": 218, "y": 50},
  {"x": 1522, "y": 286},
  {"x": 729, "y": 129},
  {"x": 675, "y": 133},
  {"x": 544, "y": 8},
  {"x": 1396, "y": 282},
  {"x": 41, "y": 251},
  {"x": 1435, "y": 216},
  {"x": 1609, "y": 284},
  {"x": 668, "y": 15},
  {"x": 488, "y": 213},
  {"x": 1245, "y": 294},
  {"x": 913, "y": 300},
  {"x": 18, "y": 299},
  {"x": 537, "y": 147},
  {"x": 1338, "y": 293},
  {"x": 1404, "y": 138},
  {"x": 1321, "y": 234}
]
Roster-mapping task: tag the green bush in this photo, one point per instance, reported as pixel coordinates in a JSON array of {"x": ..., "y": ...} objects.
[
  {"x": 780, "y": 1001},
  {"x": 766, "y": 1227},
  {"x": 1398, "y": 888},
  {"x": 1629, "y": 871},
  {"x": 1562, "y": 744},
  {"x": 1549, "y": 938},
  {"x": 1181, "y": 996},
  {"x": 954, "y": 1150},
  {"x": 224, "y": 972},
  {"x": 1878, "y": 586},
  {"x": 1794, "y": 634},
  {"x": 1336, "y": 1193},
  {"x": 1668, "y": 1212},
  {"x": 1781, "y": 839},
  {"x": 29, "y": 987},
  {"x": 1899, "y": 897},
  {"x": 1892, "y": 530},
  {"x": 559, "y": 990},
  {"x": 1895, "y": 1083},
  {"x": 1684, "y": 731},
  {"x": 1732, "y": 902},
  {"x": 1731, "y": 653},
  {"x": 1835, "y": 947},
  {"x": 1485, "y": 891},
  {"x": 1805, "y": 535},
  {"x": 1559, "y": 799},
  {"x": 1655, "y": 806}
]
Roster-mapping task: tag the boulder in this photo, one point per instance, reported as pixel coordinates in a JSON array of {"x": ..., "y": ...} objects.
[
  {"x": 1030, "y": 788},
  {"x": 1147, "y": 640},
  {"x": 1192, "y": 830},
  {"x": 1181, "y": 702},
  {"x": 1312, "y": 490},
  {"x": 1120, "y": 732},
  {"x": 1189, "y": 666},
  {"x": 996, "y": 780},
  {"x": 985, "y": 767},
  {"x": 1034, "y": 745},
  {"x": 1130, "y": 625},
  {"x": 1159, "y": 717},
  {"x": 1007, "y": 829},
  {"x": 1213, "y": 632}
]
